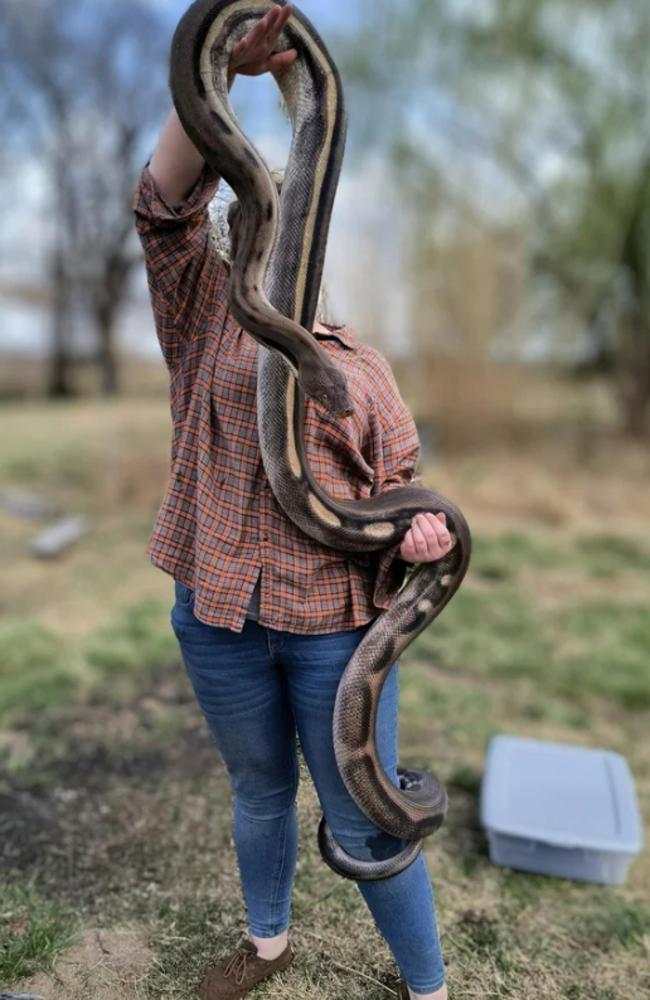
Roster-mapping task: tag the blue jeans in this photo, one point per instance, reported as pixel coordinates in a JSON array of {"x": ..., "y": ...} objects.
[{"x": 255, "y": 688}]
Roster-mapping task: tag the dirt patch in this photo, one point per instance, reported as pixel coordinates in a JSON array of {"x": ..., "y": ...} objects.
[
  {"x": 105, "y": 964},
  {"x": 116, "y": 795},
  {"x": 28, "y": 823}
]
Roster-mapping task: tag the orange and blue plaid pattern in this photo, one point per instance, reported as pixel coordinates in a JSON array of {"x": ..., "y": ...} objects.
[{"x": 219, "y": 524}]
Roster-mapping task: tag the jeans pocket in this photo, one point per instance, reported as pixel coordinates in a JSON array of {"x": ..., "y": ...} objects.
[{"x": 184, "y": 595}]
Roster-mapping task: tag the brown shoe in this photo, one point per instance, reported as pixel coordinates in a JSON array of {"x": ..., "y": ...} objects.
[{"x": 233, "y": 976}]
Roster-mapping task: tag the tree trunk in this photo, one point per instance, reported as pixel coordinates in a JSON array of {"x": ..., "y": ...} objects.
[
  {"x": 106, "y": 360},
  {"x": 633, "y": 383},
  {"x": 59, "y": 385}
]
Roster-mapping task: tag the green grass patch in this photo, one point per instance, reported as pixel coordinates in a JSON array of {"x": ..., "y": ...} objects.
[
  {"x": 580, "y": 991},
  {"x": 610, "y": 652},
  {"x": 608, "y": 555},
  {"x": 40, "y": 668},
  {"x": 501, "y": 557},
  {"x": 35, "y": 667},
  {"x": 488, "y": 938},
  {"x": 49, "y": 464},
  {"x": 588, "y": 648},
  {"x": 33, "y": 932},
  {"x": 430, "y": 702},
  {"x": 548, "y": 709},
  {"x": 140, "y": 636},
  {"x": 495, "y": 632},
  {"x": 616, "y": 922}
]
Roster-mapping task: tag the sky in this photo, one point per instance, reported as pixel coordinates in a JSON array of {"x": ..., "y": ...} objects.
[
  {"x": 359, "y": 263},
  {"x": 362, "y": 268},
  {"x": 324, "y": 13}
]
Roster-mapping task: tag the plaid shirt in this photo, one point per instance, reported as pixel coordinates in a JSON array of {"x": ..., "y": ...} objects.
[{"x": 219, "y": 524}]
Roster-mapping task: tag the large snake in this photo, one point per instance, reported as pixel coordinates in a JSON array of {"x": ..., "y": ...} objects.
[{"x": 278, "y": 249}]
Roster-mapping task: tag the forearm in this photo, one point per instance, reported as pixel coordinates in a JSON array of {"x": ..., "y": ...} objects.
[{"x": 176, "y": 163}]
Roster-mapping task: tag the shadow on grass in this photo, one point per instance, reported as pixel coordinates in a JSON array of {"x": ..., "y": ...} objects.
[
  {"x": 102, "y": 802},
  {"x": 465, "y": 841}
]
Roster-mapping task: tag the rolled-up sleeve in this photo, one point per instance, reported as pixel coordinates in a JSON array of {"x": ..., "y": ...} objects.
[
  {"x": 394, "y": 456},
  {"x": 184, "y": 269}
]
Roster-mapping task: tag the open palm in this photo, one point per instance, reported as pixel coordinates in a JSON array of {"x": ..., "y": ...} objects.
[{"x": 254, "y": 53}]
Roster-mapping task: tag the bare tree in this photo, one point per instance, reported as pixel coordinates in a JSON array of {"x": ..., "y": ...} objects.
[
  {"x": 543, "y": 105},
  {"x": 88, "y": 86}
]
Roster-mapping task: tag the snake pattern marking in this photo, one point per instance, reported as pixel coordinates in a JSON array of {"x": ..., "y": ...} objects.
[{"x": 278, "y": 250}]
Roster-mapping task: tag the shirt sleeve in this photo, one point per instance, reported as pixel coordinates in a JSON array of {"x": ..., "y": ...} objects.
[
  {"x": 184, "y": 270},
  {"x": 395, "y": 456}
]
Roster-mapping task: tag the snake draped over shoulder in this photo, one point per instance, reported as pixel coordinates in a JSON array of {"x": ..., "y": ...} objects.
[{"x": 278, "y": 249}]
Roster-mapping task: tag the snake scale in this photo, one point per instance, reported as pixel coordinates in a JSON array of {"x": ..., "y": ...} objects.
[{"x": 278, "y": 250}]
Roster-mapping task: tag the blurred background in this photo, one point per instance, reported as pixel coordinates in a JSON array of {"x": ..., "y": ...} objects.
[{"x": 491, "y": 236}]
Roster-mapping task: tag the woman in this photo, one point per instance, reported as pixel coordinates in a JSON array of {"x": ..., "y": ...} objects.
[{"x": 267, "y": 618}]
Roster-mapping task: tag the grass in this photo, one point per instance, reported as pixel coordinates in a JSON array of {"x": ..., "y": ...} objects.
[
  {"x": 33, "y": 932},
  {"x": 590, "y": 647},
  {"x": 41, "y": 668},
  {"x": 114, "y": 807}
]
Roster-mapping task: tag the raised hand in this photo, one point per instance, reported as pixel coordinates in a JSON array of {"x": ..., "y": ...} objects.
[{"x": 254, "y": 54}]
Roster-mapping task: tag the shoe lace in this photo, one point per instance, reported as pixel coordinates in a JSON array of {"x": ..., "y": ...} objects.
[{"x": 238, "y": 963}]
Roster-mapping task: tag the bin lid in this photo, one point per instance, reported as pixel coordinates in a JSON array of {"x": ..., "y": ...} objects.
[{"x": 560, "y": 794}]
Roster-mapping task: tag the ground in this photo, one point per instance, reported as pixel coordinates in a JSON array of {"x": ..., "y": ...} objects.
[{"x": 114, "y": 806}]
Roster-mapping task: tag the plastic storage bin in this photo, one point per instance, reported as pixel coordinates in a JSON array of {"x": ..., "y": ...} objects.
[{"x": 560, "y": 810}]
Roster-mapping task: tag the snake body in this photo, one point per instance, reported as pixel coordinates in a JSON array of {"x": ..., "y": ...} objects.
[{"x": 278, "y": 250}]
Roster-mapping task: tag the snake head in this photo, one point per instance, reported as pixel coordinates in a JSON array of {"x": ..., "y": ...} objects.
[{"x": 328, "y": 386}]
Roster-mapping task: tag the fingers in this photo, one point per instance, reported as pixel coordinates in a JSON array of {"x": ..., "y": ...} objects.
[
  {"x": 421, "y": 536},
  {"x": 253, "y": 53},
  {"x": 259, "y": 32},
  {"x": 427, "y": 539},
  {"x": 282, "y": 59},
  {"x": 269, "y": 28}
]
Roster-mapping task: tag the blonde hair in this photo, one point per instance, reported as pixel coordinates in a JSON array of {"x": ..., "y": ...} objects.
[{"x": 220, "y": 236}]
